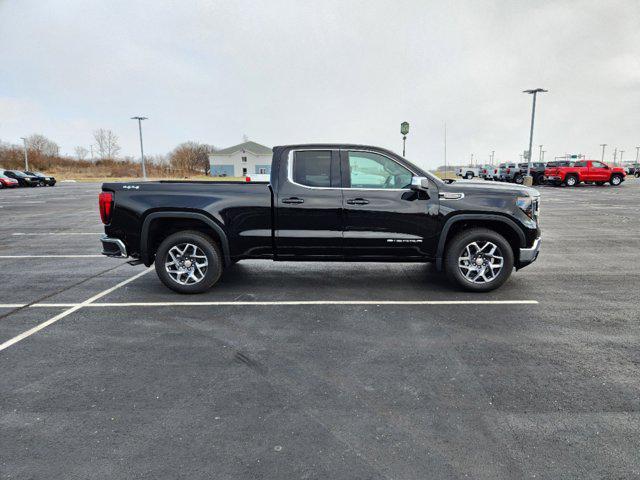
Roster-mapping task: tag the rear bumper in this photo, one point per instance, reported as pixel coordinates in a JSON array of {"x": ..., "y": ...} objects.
[
  {"x": 529, "y": 255},
  {"x": 113, "y": 247}
]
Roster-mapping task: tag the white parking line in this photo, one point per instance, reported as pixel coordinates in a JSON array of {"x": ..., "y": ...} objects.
[
  {"x": 69, "y": 311},
  {"x": 53, "y": 256},
  {"x": 275, "y": 303},
  {"x": 20, "y": 234}
]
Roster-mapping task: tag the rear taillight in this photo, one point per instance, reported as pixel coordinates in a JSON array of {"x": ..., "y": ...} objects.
[
  {"x": 105, "y": 203},
  {"x": 508, "y": 170}
]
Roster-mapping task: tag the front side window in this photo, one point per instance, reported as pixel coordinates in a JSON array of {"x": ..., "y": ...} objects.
[
  {"x": 598, "y": 165},
  {"x": 312, "y": 168},
  {"x": 372, "y": 170}
]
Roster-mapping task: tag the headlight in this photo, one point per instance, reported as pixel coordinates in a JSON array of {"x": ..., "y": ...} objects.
[{"x": 526, "y": 205}]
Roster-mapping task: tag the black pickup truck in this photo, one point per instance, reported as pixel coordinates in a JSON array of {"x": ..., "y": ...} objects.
[{"x": 328, "y": 203}]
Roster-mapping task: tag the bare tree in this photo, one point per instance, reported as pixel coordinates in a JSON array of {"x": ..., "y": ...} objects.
[
  {"x": 41, "y": 145},
  {"x": 191, "y": 157},
  {"x": 107, "y": 143},
  {"x": 81, "y": 152}
]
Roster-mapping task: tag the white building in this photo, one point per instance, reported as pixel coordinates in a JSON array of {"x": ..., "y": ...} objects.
[{"x": 242, "y": 160}]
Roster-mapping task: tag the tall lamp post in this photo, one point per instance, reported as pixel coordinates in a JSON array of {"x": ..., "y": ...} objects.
[
  {"x": 26, "y": 156},
  {"x": 540, "y": 154},
  {"x": 637, "y": 154},
  {"x": 139, "y": 119},
  {"x": 533, "y": 92},
  {"x": 404, "y": 129}
]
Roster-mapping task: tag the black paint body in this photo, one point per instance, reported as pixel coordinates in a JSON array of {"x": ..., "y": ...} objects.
[{"x": 283, "y": 220}]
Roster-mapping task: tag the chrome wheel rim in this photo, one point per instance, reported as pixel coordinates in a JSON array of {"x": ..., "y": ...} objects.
[
  {"x": 571, "y": 181},
  {"x": 186, "y": 264},
  {"x": 481, "y": 262},
  {"x": 615, "y": 180}
]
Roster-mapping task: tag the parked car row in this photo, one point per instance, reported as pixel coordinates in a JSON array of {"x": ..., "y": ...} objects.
[
  {"x": 18, "y": 178},
  {"x": 556, "y": 173}
]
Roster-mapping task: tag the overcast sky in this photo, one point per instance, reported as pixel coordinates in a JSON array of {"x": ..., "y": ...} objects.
[{"x": 325, "y": 71}]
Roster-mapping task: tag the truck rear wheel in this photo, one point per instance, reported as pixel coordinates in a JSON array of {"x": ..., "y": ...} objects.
[
  {"x": 571, "y": 181},
  {"x": 478, "y": 260},
  {"x": 469, "y": 175},
  {"x": 188, "y": 262}
]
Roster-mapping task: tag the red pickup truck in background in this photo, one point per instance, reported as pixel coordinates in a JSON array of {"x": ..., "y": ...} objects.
[{"x": 585, "y": 171}]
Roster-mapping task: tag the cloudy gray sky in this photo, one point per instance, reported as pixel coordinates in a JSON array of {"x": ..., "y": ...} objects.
[{"x": 347, "y": 71}]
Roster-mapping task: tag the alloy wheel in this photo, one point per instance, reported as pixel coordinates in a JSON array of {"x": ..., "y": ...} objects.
[
  {"x": 186, "y": 263},
  {"x": 481, "y": 262}
]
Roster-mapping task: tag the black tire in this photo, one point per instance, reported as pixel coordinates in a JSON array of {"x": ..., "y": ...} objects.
[
  {"x": 468, "y": 175},
  {"x": 1, "y": 185},
  {"x": 616, "y": 179},
  {"x": 456, "y": 248},
  {"x": 571, "y": 181},
  {"x": 519, "y": 179},
  {"x": 204, "y": 243},
  {"x": 600, "y": 183}
]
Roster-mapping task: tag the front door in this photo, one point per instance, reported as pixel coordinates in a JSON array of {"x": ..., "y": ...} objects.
[
  {"x": 309, "y": 206},
  {"x": 599, "y": 172},
  {"x": 383, "y": 217}
]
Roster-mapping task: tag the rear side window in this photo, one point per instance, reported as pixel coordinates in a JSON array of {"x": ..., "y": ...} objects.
[
  {"x": 581, "y": 164},
  {"x": 312, "y": 168}
]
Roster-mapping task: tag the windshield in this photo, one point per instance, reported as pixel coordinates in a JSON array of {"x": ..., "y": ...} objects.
[{"x": 18, "y": 173}]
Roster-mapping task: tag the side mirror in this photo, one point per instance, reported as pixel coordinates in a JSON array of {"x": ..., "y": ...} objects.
[{"x": 419, "y": 183}]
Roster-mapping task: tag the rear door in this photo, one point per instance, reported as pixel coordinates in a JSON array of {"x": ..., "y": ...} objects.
[
  {"x": 308, "y": 206},
  {"x": 383, "y": 217}
]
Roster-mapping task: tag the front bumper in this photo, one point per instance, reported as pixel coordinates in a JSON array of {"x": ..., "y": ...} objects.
[
  {"x": 529, "y": 255},
  {"x": 113, "y": 247}
]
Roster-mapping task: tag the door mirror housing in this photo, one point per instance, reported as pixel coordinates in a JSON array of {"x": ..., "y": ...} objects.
[{"x": 419, "y": 183}]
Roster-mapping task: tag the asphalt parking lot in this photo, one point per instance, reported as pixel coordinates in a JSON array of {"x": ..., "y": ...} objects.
[{"x": 386, "y": 372}]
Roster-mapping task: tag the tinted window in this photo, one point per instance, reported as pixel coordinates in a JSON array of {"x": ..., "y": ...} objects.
[
  {"x": 371, "y": 170},
  {"x": 312, "y": 168}
]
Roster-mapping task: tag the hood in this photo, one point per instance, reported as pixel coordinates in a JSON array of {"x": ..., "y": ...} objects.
[{"x": 490, "y": 188}]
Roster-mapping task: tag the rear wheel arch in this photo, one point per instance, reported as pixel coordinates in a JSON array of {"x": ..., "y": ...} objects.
[
  {"x": 502, "y": 225},
  {"x": 159, "y": 225}
]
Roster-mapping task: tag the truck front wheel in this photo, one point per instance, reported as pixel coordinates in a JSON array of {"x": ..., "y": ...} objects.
[
  {"x": 188, "y": 262},
  {"x": 478, "y": 260},
  {"x": 616, "y": 179}
]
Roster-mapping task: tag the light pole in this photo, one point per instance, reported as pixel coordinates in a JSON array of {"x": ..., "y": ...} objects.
[
  {"x": 493, "y": 153},
  {"x": 621, "y": 152},
  {"x": 637, "y": 153},
  {"x": 533, "y": 92},
  {"x": 404, "y": 129},
  {"x": 540, "y": 155},
  {"x": 615, "y": 155},
  {"x": 26, "y": 157},
  {"x": 603, "y": 145},
  {"x": 144, "y": 171}
]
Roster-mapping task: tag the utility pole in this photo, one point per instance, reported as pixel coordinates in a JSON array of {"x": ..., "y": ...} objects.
[
  {"x": 533, "y": 92},
  {"x": 603, "y": 145},
  {"x": 26, "y": 156},
  {"x": 445, "y": 150},
  {"x": 91, "y": 149},
  {"x": 144, "y": 171}
]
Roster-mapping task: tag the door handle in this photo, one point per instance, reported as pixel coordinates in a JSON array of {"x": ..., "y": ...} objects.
[
  {"x": 357, "y": 201},
  {"x": 294, "y": 200}
]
